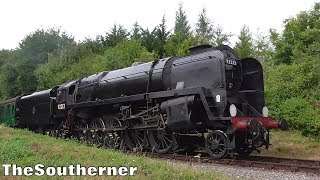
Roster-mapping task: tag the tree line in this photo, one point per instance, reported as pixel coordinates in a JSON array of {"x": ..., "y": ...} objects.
[{"x": 48, "y": 57}]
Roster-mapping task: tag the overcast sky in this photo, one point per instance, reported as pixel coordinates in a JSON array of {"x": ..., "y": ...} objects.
[{"x": 88, "y": 18}]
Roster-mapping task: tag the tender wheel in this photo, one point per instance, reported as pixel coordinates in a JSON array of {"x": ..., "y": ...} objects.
[
  {"x": 161, "y": 141},
  {"x": 136, "y": 140},
  {"x": 97, "y": 137},
  {"x": 112, "y": 139},
  {"x": 216, "y": 144}
]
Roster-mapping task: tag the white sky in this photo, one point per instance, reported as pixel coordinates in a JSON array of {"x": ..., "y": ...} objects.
[{"x": 88, "y": 18}]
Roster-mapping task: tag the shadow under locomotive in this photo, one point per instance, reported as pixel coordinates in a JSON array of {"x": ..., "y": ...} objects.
[{"x": 207, "y": 99}]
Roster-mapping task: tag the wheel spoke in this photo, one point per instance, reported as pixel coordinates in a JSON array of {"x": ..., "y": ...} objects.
[
  {"x": 165, "y": 137},
  {"x": 161, "y": 141},
  {"x": 216, "y": 144},
  {"x": 165, "y": 142}
]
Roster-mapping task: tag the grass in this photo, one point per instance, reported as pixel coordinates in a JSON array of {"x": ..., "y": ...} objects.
[
  {"x": 292, "y": 144},
  {"x": 25, "y": 148}
]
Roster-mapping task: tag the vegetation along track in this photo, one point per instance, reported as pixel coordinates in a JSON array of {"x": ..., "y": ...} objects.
[{"x": 287, "y": 164}]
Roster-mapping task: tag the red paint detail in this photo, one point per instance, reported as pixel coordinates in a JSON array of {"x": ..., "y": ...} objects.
[
  {"x": 6, "y": 104},
  {"x": 240, "y": 123}
]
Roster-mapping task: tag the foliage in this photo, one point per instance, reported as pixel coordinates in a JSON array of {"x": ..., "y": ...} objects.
[
  {"x": 220, "y": 37},
  {"x": 33, "y": 50},
  {"x": 181, "y": 25},
  {"x": 300, "y": 36},
  {"x": 57, "y": 69},
  {"x": 162, "y": 35},
  {"x": 301, "y": 115},
  {"x": 136, "y": 31},
  {"x": 262, "y": 48},
  {"x": 244, "y": 46},
  {"x": 206, "y": 33},
  {"x": 126, "y": 53},
  {"x": 154, "y": 40},
  {"x": 148, "y": 39},
  {"x": 292, "y": 77},
  {"x": 35, "y": 47},
  {"x": 93, "y": 45},
  {"x": 4, "y": 56},
  {"x": 117, "y": 34},
  {"x": 293, "y": 93},
  {"x": 204, "y": 29},
  {"x": 8, "y": 78},
  {"x": 178, "y": 44}
]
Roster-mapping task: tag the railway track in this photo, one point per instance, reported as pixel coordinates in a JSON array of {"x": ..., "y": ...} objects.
[{"x": 269, "y": 163}]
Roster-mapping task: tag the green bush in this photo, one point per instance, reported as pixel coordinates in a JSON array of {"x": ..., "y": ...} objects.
[
  {"x": 301, "y": 115},
  {"x": 293, "y": 93}
]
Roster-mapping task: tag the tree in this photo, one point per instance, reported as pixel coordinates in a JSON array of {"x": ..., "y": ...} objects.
[
  {"x": 301, "y": 36},
  {"x": 17, "y": 75},
  {"x": 94, "y": 45},
  {"x": 178, "y": 45},
  {"x": 68, "y": 64},
  {"x": 206, "y": 33},
  {"x": 204, "y": 29},
  {"x": 181, "y": 24},
  {"x": 136, "y": 31},
  {"x": 114, "y": 36},
  {"x": 35, "y": 47},
  {"x": 126, "y": 53},
  {"x": 156, "y": 39},
  {"x": 262, "y": 48},
  {"x": 4, "y": 56},
  {"x": 182, "y": 39},
  {"x": 162, "y": 35},
  {"x": 26, "y": 79},
  {"x": 148, "y": 39},
  {"x": 34, "y": 50},
  {"x": 219, "y": 37},
  {"x": 8, "y": 78},
  {"x": 244, "y": 45}
]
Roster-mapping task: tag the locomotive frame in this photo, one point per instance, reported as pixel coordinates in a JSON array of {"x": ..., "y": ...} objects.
[{"x": 207, "y": 99}]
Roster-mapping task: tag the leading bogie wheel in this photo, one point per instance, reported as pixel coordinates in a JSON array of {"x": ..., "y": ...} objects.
[{"x": 216, "y": 144}]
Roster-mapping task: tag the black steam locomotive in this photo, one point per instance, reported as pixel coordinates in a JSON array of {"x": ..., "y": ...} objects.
[{"x": 208, "y": 98}]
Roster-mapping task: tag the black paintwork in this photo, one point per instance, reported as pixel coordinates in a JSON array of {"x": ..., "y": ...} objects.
[
  {"x": 33, "y": 109},
  {"x": 204, "y": 73}
]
